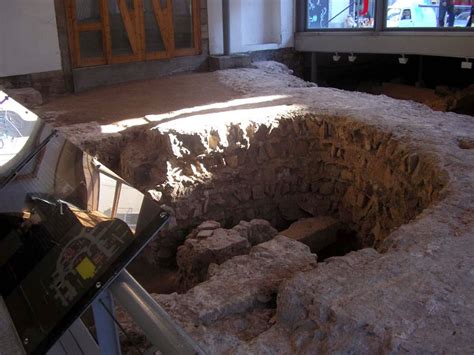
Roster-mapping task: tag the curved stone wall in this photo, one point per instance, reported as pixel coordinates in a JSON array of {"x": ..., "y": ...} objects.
[{"x": 282, "y": 170}]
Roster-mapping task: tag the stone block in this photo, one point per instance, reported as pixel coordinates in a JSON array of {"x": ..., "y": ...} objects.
[
  {"x": 317, "y": 232},
  {"x": 208, "y": 225},
  {"x": 207, "y": 247},
  {"x": 256, "y": 231},
  {"x": 229, "y": 61}
]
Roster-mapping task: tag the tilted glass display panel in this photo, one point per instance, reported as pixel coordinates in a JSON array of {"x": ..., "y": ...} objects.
[
  {"x": 340, "y": 14},
  {"x": 57, "y": 251}
]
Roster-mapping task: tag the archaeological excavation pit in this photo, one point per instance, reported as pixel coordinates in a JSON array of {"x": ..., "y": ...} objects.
[
  {"x": 301, "y": 223},
  {"x": 282, "y": 171},
  {"x": 334, "y": 184}
]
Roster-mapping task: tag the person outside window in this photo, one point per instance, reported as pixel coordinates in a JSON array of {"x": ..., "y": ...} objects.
[
  {"x": 469, "y": 21},
  {"x": 446, "y": 7}
]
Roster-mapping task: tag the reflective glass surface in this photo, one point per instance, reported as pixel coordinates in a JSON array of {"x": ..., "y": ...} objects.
[
  {"x": 16, "y": 125},
  {"x": 340, "y": 14},
  {"x": 153, "y": 38},
  {"x": 91, "y": 44},
  {"x": 87, "y": 10},
  {"x": 429, "y": 13},
  {"x": 183, "y": 23},
  {"x": 67, "y": 227},
  {"x": 118, "y": 33}
]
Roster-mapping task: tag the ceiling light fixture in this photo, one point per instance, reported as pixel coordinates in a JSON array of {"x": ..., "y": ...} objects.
[{"x": 403, "y": 59}]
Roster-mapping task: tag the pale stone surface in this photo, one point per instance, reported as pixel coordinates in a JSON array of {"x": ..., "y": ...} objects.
[
  {"x": 316, "y": 232},
  {"x": 237, "y": 302},
  {"x": 208, "y": 225},
  {"x": 368, "y": 303}
]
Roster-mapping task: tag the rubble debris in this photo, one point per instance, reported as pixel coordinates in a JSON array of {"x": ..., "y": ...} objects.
[
  {"x": 238, "y": 301},
  {"x": 209, "y": 244}
]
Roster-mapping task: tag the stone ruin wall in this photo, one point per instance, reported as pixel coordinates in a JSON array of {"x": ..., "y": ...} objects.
[{"x": 291, "y": 168}]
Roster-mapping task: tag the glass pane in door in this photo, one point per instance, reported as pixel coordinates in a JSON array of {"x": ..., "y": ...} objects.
[
  {"x": 183, "y": 23},
  {"x": 120, "y": 41},
  {"x": 90, "y": 43},
  {"x": 87, "y": 11},
  {"x": 154, "y": 40}
]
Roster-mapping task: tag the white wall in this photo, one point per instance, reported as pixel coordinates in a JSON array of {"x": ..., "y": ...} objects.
[
  {"x": 261, "y": 21},
  {"x": 254, "y": 25},
  {"x": 28, "y": 37}
]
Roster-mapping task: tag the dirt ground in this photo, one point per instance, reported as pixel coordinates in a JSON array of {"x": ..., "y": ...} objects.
[{"x": 137, "y": 99}]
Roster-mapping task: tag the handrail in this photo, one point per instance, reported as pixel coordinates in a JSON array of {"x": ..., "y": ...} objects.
[{"x": 167, "y": 336}]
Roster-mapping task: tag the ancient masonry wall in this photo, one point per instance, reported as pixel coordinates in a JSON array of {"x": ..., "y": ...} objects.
[{"x": 295, "y": 167}]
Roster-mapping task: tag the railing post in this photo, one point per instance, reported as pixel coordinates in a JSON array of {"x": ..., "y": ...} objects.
[{"x": 107, "y": 333}]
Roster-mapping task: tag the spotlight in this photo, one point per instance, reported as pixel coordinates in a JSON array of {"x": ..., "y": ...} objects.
[
  {"x": 352, "y": 58},
  {"x": 466, "y": 65},
  {"x": 403, "y": 59},
  {"x": 336, "y": 57}
]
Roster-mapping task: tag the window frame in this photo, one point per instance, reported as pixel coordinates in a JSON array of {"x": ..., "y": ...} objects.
[{"x": 380, "y": 23}]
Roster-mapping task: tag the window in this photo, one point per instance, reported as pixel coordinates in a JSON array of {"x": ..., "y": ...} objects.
[
  {"x": 106, "y": 194},
  {"x": 129, "y": 205},
  {"x": 337, "y": 14},
  {"x": 118, "y": 200},
  {"x": 16, "y": 125},
  {"x": 400, "y": 14},
  {"x": 429, "y": 13}
]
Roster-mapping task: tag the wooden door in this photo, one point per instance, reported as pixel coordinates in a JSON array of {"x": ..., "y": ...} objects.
[{"x": 119, "y": 31}]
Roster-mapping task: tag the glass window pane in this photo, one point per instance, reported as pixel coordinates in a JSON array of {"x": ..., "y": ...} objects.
[
  {"x": 16, "y": 126},
  {"x": 183, "y": 23},
  {"x": 129, "y": 206},
  {"x": 106, "y": 194},
  {"x": 120, "y": 42},
  {"x": 87, "y": 10},
  {"x": 345, "y": 14},
  {"x": 428, "y": 14},
  {"x": 154, "y": 40},
  {"x": 91, "y": 44}
]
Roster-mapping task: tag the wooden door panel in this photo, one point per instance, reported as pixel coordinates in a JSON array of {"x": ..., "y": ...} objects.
[
  {"x": 129, "y": 26},
  {"x": 127, "y": 30}
]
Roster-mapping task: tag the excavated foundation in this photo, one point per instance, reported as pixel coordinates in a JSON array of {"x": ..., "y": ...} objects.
[
  {"x": 281, "y": 171},
  {"x": 396, "y": 173}
]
